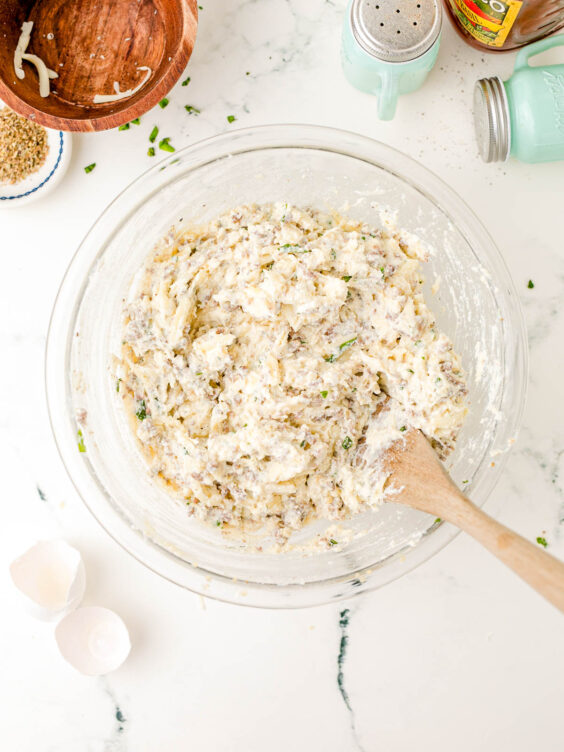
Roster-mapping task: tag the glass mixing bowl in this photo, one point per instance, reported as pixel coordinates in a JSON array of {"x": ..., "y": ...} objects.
[{"x": 476, "y": 305}]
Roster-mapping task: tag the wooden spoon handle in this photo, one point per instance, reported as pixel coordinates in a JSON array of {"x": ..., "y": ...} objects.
[{"x": 533, "y": 564}]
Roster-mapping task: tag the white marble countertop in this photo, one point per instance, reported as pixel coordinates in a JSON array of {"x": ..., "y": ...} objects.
[{"x": 459, "y": 654}]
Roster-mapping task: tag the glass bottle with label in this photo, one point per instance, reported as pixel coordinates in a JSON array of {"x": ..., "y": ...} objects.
[{"x": 497, "y": 26}]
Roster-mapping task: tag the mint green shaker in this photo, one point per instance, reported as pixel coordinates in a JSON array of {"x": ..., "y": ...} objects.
[
  {"x": 524, "y": 116},
  {"x": 389, "y": 47}
]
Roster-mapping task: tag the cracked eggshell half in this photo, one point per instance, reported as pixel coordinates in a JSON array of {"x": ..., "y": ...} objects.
[
  {"x": 52, "y": 578},
  {"x": 93, "y": 640}
]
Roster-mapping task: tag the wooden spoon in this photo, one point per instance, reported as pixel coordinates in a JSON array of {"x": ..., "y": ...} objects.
[{"x": 421, "y": 482}]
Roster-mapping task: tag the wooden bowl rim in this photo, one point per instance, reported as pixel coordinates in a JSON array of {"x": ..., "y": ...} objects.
[{"x": 105, "y": 122}]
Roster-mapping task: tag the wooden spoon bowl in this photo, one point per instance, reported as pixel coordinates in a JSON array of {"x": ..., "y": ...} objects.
[
  {"x": 419, "y": 481},
  {"x": 91, "y": 45}
]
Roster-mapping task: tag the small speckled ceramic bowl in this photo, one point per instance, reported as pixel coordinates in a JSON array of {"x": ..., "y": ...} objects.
[{"x": 43, "y": 181}]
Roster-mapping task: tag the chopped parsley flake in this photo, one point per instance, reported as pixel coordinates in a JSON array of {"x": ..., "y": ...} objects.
[
  {"x": 89, "y": 167},
  {"x": 186, "y": 81},
  {"x": 81, "y": 447},
  {"x": 231, "y": 118},
  {"x": 124, "y": 127},
  {"x": 347, "y": 344},
  {"x": 163, "y": 103},
  {"x": 154, "y": 134},
  {"x": 324, "y": 393},
  {"x": 347, "y": 442},
  {"x": 542, "y": 542},
  {"x": 437, "y": 520},
  {"x": 411, "y": 370},
  {"x": 302, "y": 444},
  {"x": 466, "y": 481},
  {"x": 151, "y": 151},
  {"x": 531, "y": 284},
  {"x": 403, "y": 428},
  {"x": 191, "y": 110},
  {"x": 347, "y": 277},
  {"x": 332, "y": 541},
  {"x": 142, "y": 411},
  {"x": 165, "y": 146},
  {"x": 137, "y": 121},
  {"x": 293, "y": 248},
  {"x": 218, "y": 523},
  {"x": 117, "y": 385}
]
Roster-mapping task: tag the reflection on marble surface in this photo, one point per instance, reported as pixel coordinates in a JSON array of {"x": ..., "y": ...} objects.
[{"x": 457, "y": 653}]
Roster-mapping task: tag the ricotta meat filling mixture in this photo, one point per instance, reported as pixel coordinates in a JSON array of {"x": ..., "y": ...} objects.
[{"x": 270, "y": 358}]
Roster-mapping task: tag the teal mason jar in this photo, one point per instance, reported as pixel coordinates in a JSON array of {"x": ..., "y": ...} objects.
[
  {"x": 524, "y": 116},
  {"x": 389, "y": 47}
]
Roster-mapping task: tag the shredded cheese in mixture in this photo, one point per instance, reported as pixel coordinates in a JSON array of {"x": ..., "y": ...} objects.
[{"x": 271, "y": 356}]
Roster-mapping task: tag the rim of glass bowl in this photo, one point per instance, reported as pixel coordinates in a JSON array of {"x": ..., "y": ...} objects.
[{"x": 67, "y": 303}]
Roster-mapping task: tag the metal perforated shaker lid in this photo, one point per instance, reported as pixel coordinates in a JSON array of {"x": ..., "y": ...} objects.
[
  {"x": 396, "y": 30},
  {"x": 491, "y": 119}
]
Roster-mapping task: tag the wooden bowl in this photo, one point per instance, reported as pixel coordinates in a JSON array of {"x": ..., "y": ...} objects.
[{"x": 91, "y": 44}]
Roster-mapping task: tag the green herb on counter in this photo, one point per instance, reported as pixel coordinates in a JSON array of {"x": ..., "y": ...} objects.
[
  {"x": 248, "y": 73},
  {"x": 89, "y": 167},
  {"x": 191, "y": 110},
  {"x": 231, "y": 118},
  {"x": 137, "y": 121},
  {"x": 347, "y": 442},
  {"x": 437, "y": 520},
  {"x": 403, "y": 428},
  {"x": 542, "y": 542},
  {"x": 163, "y": 103},
  {"x": 531, "y": 284},
  {"x": 151, "y": 151},
  {"x": 186, "y": 81},
  {"x": 347, "y": 277},
  {"x": 324, "y": 393},
  {"x": 124, "y": 127},
  {"x": 466, "y": 481},
  {"x": 117, "y": 385},
  {"x": 142, "y": 411},
  {"x": 154, "y": 134},
  {"x": 165, "y": 146},
  {"x": 332, "y": 541},
  {"x": 81, "y": 447},
  {"x": 382, "y": 271}
]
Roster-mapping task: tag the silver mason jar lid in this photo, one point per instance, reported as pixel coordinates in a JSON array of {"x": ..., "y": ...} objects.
[
  {"x": 491, "y": 119},
  {"x": 396, "y": 31}
]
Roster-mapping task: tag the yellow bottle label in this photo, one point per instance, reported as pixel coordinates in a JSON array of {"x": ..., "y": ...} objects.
[{"x": 488, "y": 21}]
